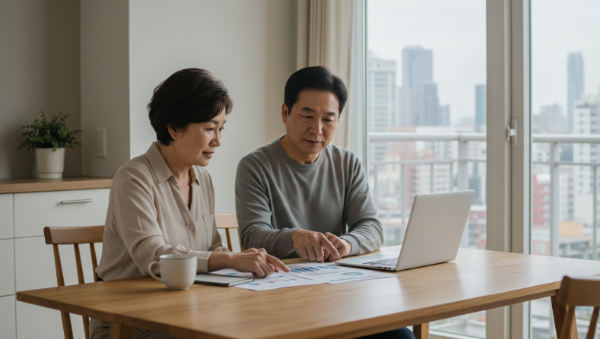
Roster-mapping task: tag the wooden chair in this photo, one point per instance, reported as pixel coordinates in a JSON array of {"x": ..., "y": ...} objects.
[
  {"x": 228, "y": 222},
  {"x": 575, "y": 292},
  {"x": 73, "y": 236}
]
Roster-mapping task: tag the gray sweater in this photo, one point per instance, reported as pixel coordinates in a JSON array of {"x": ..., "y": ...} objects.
[{"x": 275, "y": 195}]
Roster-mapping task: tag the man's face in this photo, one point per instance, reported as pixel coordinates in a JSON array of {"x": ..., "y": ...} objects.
[{"x": 312, "y": 122}]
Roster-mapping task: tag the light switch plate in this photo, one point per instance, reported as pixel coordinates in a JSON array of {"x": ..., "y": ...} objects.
[{"x": 101, "y": 142}]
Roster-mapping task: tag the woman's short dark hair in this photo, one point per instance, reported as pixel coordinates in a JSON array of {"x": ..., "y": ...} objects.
[
  {"x": 318, "y": 78},
  {"x": 188, "y": 96}
]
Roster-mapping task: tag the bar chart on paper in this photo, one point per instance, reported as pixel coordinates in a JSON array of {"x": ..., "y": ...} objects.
[
  {"x": 314, "y": 269},
  {"x": 307, "y": 274},
  {"x": 331, "y": 273}
]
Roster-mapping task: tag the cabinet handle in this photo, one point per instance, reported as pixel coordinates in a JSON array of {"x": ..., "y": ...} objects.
[{"x": 78, "y": 201}]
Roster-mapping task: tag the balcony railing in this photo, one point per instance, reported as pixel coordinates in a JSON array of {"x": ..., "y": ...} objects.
[
  {"x": 542, "y": 314},
  {"x": 462, "y": 176}
]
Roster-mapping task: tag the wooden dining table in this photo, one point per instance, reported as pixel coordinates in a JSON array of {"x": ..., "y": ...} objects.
[{"x": 476, "y": 280}]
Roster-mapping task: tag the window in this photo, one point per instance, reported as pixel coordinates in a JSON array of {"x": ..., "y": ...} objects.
[
  {"x": 565, "y": 64},
  {"x": 430, "y": 57}
]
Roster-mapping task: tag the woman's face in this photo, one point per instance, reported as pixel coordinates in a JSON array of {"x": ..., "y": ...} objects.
[{"x": 197, "y": 144}]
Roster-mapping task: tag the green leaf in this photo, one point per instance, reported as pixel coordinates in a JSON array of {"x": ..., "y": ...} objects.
[{"x": 49, "y": 134}]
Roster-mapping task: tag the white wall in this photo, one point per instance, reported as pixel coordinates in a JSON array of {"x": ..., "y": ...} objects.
[
  {"x": 249, "y": 45},
  {"x": 39, "y": 69},
  {"x": 105, "y": 84}
]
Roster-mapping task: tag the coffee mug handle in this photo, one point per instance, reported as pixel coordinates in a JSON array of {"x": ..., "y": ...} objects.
[{"x": 150, "y": 270}]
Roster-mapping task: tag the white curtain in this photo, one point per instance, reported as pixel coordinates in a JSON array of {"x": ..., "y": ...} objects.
[{"x": 328, "y": 35}]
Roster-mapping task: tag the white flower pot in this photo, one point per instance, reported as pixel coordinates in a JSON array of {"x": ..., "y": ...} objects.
[{"x": 50, "y": 164}]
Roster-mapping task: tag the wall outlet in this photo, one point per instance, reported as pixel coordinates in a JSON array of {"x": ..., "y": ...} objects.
[{"x": 101, "y": 142}]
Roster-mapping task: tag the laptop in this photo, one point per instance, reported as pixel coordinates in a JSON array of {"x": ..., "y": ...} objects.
[{"x": 433, "y": 234}]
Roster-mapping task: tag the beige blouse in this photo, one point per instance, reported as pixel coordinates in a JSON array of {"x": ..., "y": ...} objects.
[{"x": 148, "y": 217}]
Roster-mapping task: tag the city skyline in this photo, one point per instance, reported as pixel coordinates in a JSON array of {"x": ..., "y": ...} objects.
[
  {"x": 455, "y": 31},
  {"x": 450, "y": 38}
]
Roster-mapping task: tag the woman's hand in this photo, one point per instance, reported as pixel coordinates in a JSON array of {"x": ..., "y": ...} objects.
[
  {"x": 258, "y": 262},
  {"x": 252, "y": 260}
]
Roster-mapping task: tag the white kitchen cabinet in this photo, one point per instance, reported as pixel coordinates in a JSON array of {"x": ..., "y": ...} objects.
[
  {"x": 28, "y": 263},
  {"x": 34, "y": 211},
  {"x": 7, "y": 228},
  {"x": 7, "y": 317},
  {"x": 7, "y": 267}
]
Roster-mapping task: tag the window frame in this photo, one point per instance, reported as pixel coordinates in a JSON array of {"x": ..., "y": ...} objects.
[{"x": 508, "y": 195}]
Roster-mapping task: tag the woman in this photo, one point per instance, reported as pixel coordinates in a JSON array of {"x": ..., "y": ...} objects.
[{"x": 162, "y": 202}]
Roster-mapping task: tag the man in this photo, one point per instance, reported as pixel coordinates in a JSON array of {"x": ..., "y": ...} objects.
[{"x": 300, "y": 196}]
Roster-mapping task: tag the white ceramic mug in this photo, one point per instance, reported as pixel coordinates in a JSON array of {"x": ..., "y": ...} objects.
[{"x": 177, "y": 271}]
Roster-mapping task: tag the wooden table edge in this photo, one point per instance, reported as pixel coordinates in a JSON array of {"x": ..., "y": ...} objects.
[{"x": 346, "y": 330}]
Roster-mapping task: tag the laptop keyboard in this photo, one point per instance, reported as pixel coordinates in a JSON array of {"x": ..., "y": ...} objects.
[{"x": 383, "y": 262}]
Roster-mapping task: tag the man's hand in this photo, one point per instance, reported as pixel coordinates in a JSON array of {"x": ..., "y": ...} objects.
[
  {"x": 258, "y": 262},
  {"x": 343, "y": 247},
  {"x": 313, "y": 245}
]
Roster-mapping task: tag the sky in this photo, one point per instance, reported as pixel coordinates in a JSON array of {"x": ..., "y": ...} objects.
[{"x": 455, "y": 31}]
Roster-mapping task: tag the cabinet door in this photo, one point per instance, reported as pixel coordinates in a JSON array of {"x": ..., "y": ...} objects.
[
  {"x": 7, "y": 317},
  {"x": 35, "y": 263},
  {"x": 7, "y": 227},
  {"x": 34, "y": 211},
  {"x": 7, "y": 267},
  {"x": 40, "y": 322}
]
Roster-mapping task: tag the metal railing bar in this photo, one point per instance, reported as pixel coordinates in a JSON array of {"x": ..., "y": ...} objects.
[
  {"x": 450, "y": 161},
  {"x": 594, "y": 210},
  {"x": 431, "y": 178},
  {"x": 375, "y": 184},
  {"x": 414, "y": 162},
  {"x": 403, "y": 200},
  {"x": 566, "y": 138},
  {"x": 539, "y": 138},
  {"x": 451, "y": 177},
  {"x": 391, "y": 136},
  {"x": 554, "y": 200},
  {"x": 567, "y": 163}
]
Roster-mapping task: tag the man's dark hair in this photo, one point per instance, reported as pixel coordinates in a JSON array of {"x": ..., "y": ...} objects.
[
  {"x": 317, "y": 78},
  {"x": 188, "y": 96}
]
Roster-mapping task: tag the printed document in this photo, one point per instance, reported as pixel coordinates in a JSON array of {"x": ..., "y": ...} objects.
[
  {"x": 307, "y": 274},
  {"x": 274, "y": 281},
  {"x": 331, "y": 273}
]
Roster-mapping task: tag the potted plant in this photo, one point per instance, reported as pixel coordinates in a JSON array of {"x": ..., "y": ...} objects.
[{"x": 49, "y": 140}]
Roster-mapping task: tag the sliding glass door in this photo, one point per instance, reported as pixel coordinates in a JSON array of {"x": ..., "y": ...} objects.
[
  {"x": 426, "y": 113},
  {"x": 499, "y": 96},
  {"x": 565, "y": 107}
]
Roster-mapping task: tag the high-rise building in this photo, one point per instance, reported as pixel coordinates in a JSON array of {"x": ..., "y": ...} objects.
[
  {"x": 444, "y": 115},
  {"x": 550, "y": 119},
  {"x": 427, "y": 106},
  {"x": 381, "y": 100},
  {"x": 480, "y": 105},
  {"x": 574, "y": 85},
  {"x": 586, "y": 120},
  {"x": 420, "y": 102}
]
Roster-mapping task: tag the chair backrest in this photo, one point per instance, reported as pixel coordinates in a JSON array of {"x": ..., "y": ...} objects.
[
  {"x": 578, "y": 292},
  {"x": 228, "y": 222},
  {"x": 73, "y": 236}
]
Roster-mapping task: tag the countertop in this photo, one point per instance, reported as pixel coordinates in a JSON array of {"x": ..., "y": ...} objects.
[{"x": 47, "y": 185}]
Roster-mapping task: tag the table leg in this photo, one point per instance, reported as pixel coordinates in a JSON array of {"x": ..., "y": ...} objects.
[
  {"x": 560, "y": 314},
  {"x": 120, "y": 331},
  {"x": 421, "y": 331}
]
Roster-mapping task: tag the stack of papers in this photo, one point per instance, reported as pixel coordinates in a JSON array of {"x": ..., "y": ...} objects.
[{"x": 307, "y": 274}]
